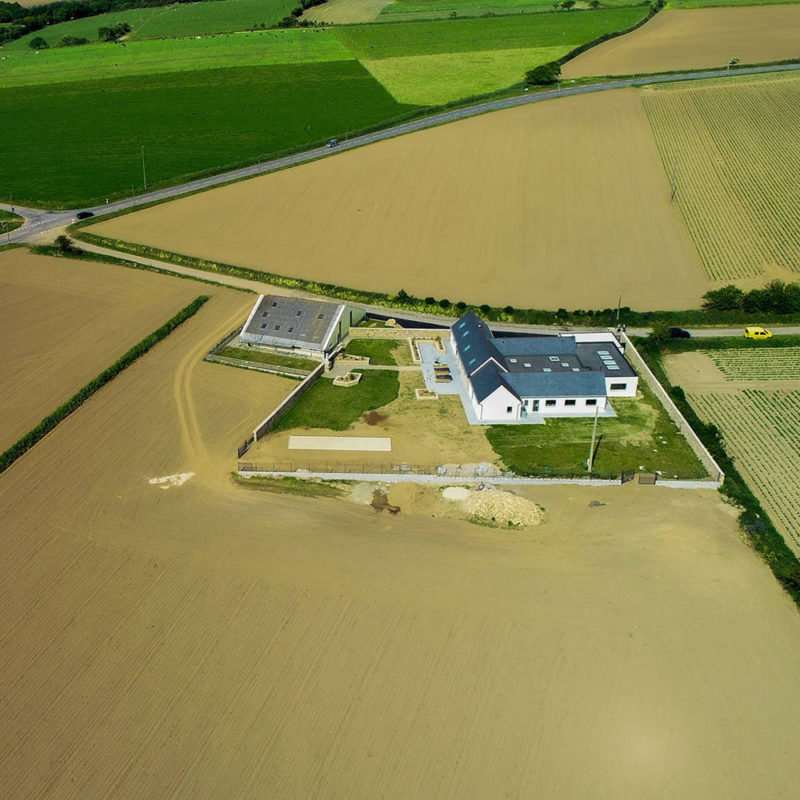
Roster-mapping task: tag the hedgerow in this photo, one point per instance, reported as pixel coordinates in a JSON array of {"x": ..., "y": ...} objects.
[{"x": 24, "y": 444}]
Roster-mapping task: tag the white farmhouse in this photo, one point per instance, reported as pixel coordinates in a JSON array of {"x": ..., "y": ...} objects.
[{"x": 512, "y": 377}]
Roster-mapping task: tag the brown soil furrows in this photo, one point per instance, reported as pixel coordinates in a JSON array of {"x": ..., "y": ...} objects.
[{"x": 63, "y": 322}]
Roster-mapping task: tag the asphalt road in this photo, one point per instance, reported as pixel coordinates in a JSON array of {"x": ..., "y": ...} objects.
[{"x": 39, "y": 221}]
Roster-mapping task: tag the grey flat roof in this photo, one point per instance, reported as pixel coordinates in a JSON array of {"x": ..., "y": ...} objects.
[{"x": 291, "y": 322}]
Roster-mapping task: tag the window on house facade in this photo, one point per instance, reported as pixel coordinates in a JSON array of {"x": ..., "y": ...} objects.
[
  {"x": 591, "y": 401},
  {"x": 569, "y": 402},
  {"x": 509, "y": 409},
  {"x": 549, "y": 402},
  {"x": 618, "y": 387}
]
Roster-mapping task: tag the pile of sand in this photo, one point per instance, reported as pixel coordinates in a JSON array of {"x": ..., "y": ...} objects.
[{"x": 502, "y": 508}]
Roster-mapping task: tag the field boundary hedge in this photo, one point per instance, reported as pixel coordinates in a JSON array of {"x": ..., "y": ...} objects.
[
  {"x": 443, "y": 307},
  {"x": 21, "y": 446},
  {"x": 753, "y": 519}
]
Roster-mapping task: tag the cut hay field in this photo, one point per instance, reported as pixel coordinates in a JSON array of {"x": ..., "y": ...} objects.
[
  {"x": 556, "y": 204},
  {"x": 188, "y": 122},
  {"x": 62, "y": 323},
  {"x": 707, "y": 37},
  {"x": 346, "y": 12},
  {"x": 205, "y": 640},
  {"x": 732, "y": 148}
]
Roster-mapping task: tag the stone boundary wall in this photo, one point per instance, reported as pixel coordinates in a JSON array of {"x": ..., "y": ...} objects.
[
  {"x": 398, "y": 333},
  {"x": 266, "y": 424},
  {"x": 717, "y": 475}
]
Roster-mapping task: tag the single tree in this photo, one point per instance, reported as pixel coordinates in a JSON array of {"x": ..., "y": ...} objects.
[
  {"x": 38, "y": 43},
  {"x": 567, "y": 4}
]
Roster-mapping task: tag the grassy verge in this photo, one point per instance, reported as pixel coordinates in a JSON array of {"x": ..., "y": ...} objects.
[
  {"x": 378, "y": 351},
  {"x": 336, "y": 408},
  {"x": 753, "y": 519},
  {"x": 402, "y": 301},
  {"x": 9, "y": 222},
  {"x": 641, "y": 436},
  {"x": 294, "y": 486},
  {"x": 24, "y": 444},
  {"x": 77, "y": 254},
  {"x": 263, "y": 357}
]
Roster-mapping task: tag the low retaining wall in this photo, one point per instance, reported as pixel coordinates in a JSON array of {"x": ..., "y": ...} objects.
[
  {"x": 399, "y": 333},
  {"x": 707, "y": 460},
  {"x": 266, "y": 424}
]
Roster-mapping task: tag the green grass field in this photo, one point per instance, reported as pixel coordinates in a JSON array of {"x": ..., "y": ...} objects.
[
  {"x": 641, "y": 435},
  {"x": 265, "y": 357},
  {"x": 492, "y": 33},
  {"x": 8, "y": 223},
  {"x": 188, "y": 19},
  {"x": 81, "y": 142},
  {"x": 151, "y": 57},
  {"x": 336, "y": 408},
  {"x": 441, "y": 9}
]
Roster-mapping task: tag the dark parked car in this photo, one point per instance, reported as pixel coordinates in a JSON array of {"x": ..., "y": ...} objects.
[
  {"x": 332, "y": 143},
  {"x": 84, "y": 214},
  {"x": 679, "y": 333}
]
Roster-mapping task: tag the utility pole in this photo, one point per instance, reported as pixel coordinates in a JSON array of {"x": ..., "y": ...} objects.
[
  {"x": 590, "y": 460},
  {"x": 144, "y": 171},
  {"x": 619, "y": 306},
  {"x": 674, "y": 179}
]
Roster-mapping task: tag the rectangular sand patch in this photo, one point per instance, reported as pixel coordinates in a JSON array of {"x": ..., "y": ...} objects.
[{"x": 377, "y": 444}]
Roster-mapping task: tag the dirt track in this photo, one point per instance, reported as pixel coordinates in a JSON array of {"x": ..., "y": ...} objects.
[
  {"x": 63, "y": 322},
  {"x": 696, "y": 39},
  {"x": 559, "y": 204},
  {"x": 210, "y": 641}
]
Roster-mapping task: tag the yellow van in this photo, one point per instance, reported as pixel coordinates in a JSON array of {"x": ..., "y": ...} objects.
[{"x": 757, "y": 332}]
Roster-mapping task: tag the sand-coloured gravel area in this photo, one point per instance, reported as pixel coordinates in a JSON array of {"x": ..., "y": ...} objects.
[
  {"x": 560, "y": 204},
  {"x": 703, "y": 37},
  {"x": 63, "y": 322},
  {"x": 210, "y": 641}
]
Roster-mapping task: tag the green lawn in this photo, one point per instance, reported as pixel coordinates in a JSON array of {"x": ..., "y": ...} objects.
[
  {"x": 481, "y": 34},
  {"x": 379, "y": 351},
  {"x": 264, "y": 357},
  {"x": 336, "y": 408},
  {"x": 76, "y": 143},
  {"x": 642, "y": 435},
  {"x": 150, "y": 57}
]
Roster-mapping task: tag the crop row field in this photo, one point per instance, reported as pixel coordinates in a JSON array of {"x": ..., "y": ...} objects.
[
  {"x": 701, "y": 38},
  {"x": 773, "y": 364},
  {"x": 761, "y": 430},
  {"x": 190, "y": 638},
  {"x": 463, "y": 212},
  {"x": 731, "y": 151},
  {"x": 188, "y": 123},
  {"x": 346, "y": 12}
]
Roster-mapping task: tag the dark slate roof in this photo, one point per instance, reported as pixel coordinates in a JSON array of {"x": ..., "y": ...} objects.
[
  {"x": 474, "y": 343},
  {"x": 564, "y": 384},
  {"x": 291, "y": 322},
  {"x": 485, "y": 381},
  {"x": 604, "y": 358}
]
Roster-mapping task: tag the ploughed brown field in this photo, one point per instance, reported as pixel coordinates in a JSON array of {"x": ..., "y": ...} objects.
[
  {"x": 210, "y": 641},
  {"x": 560, "y": 204},
  {"x": 63, "y": 322},
  {"x": 703, "y": 37}
]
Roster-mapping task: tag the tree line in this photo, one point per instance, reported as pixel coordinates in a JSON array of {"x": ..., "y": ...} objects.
[{"x": 776, "y": 297}]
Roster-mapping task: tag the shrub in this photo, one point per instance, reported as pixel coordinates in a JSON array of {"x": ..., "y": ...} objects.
[
  {"x": 444, "y": 303},
  {"x": 73, "y": 41},
  {"x": 38, "y": 43},
  {"x": 543, "y": 75}
]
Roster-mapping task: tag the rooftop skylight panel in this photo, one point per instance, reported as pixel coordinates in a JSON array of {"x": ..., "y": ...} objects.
[
  {"x": 613, "y": 366},
  {"x": 602, "y": 352},
  {"x": 564, "y": 364},
  {"x": 546, "y": 369},
  {"x": 554, "y": 358},
  {"x": 512, "y": 360},
  {"x": 526, "y": 364}
]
